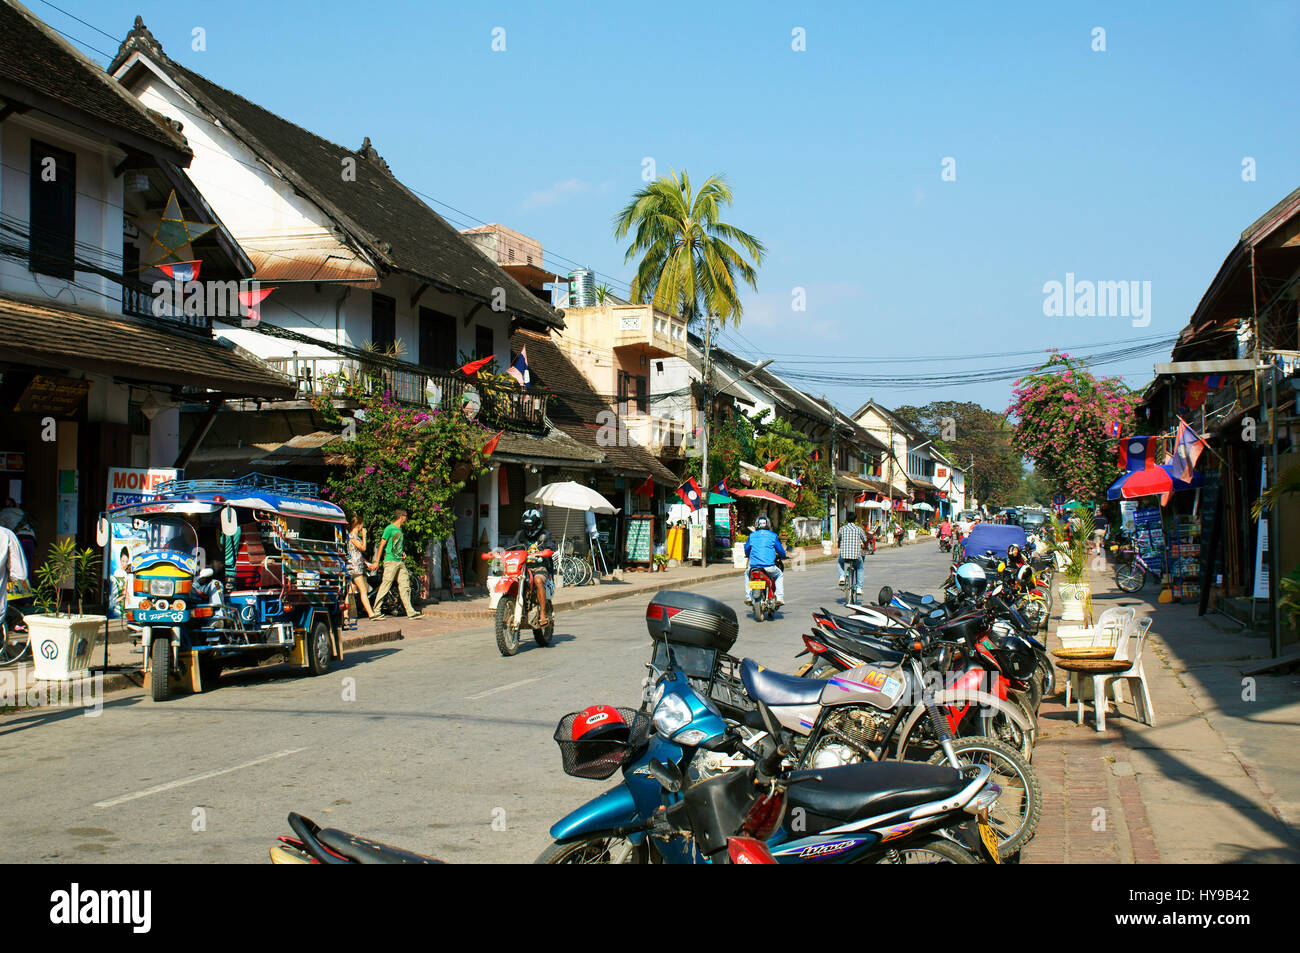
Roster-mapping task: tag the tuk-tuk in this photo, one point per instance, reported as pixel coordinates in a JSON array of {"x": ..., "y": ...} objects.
[{"x": 228, "y": 572}]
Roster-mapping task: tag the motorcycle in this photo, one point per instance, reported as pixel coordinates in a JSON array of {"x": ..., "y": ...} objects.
[
  {"x": 945, "y": 544},
  {"x": 866, "y": 813},
  {"x": 898, "y": 536},
  {"x": 762, "y": 593},
  {"x": 513, "y": 595},
  {"x": 871, "y": 542}
]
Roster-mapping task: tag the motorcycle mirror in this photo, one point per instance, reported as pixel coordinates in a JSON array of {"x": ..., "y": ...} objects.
[
  {"x": 229, "y": 521},
  {"x": 886, "y": 596},
  {"x": 667, "y": 775},
  {"x": 101, "y": 531},
  {"x": 770, "y": 723}
]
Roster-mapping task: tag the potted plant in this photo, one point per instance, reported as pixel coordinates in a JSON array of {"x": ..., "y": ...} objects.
[
  {"x": 660, "y": 562},
  {"x": 62, "y": 643},
  {"x": 826, "y": 544},
  {"x": 738, "y": 557},
  {"x": 1074, "y": 590}
]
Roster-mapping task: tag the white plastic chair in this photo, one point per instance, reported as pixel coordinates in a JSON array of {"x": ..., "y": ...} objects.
[
  {"x": 1134, "y": 673},
  {"x": 1109, "y": 630}
]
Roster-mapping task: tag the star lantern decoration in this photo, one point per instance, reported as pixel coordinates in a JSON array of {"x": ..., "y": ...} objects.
[{"x": 170, "y": 236}]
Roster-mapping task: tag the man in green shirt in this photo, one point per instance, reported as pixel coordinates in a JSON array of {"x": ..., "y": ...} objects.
[{"x": 390, "y": 551}]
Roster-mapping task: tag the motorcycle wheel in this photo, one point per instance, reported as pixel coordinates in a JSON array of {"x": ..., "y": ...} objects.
[
  {"x": 1048, "y": 673},
  {"x": 544, "y": 637},
  {"x": 929, "y": 850},
  {"x": 507, "y": 638},
  {"x": 160, "y": 663},
  {"x": 13, "y": 645},
  {"x": 596, "y": 850},
  {"x": 758, "y": 610},
  {"x": 1129, "y": 577},
  {"x": 1019, "y": 808}
]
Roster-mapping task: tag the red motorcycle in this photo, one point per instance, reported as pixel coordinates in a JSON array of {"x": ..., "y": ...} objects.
[
  {"x": 762, "y": 593},
  {"x": 513, "y": 594},
  {"x": 871, "y": 542}
]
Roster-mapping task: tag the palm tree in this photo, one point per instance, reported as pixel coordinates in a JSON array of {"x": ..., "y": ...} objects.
[{"x": 689, "y": 259}]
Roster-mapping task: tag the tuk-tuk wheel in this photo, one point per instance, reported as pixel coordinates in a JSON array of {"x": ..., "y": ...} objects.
[
  {"x": 318, "y": 646},
  {"x": 160, "y": 668}
]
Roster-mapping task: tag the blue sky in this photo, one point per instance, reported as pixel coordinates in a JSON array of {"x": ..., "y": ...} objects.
[{"x": 1122, "y": 165}]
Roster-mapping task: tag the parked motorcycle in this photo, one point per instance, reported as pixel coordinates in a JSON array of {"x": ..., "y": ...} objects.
[{"x": 513, "y": 595}]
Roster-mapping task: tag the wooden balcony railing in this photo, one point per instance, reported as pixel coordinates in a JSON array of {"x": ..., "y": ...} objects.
[
  {"x": 138, "y": 300},
  {"x": 501, "y": 407}
]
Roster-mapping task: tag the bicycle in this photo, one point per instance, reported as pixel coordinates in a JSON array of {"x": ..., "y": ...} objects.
[
  {"x": 850, "y": 584},
  {"x": 574, "y": 570},
  {"x": 1131, "y": 570}
]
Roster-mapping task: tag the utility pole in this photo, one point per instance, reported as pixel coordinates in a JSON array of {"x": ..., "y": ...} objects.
[
  {"x": 834, "y": 461},
  {"x": 706, "y": 543}
]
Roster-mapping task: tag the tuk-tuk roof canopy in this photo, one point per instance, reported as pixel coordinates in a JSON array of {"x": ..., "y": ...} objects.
[{"x": 254, "y": 491}]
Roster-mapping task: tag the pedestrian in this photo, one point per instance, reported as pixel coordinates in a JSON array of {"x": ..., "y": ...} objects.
[
  {"x": 357, "y": 543},
  {"x": 391, "y": 552},
  {"x": 14, "y": 517},
  {"x": 13, "y": 565}
]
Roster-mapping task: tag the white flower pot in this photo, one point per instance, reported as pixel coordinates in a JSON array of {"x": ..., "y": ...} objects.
[
  {"x": 1074, "y": 600},
  {"x": 826, "y": 547},
  {"x": 911, "y": 535},
  {"x": 738, "y": 558},
  {"x": 62, "y": 645}
]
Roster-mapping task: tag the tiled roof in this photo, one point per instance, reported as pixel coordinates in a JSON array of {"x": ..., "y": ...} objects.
[
  {"x": 95, "y": 341},
  {"x": 41, "y": 69},
  {"x": 575, "y": 408},
  {"x": 393, "y": 225}
]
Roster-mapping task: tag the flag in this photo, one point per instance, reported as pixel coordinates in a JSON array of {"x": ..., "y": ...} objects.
[
  {"x": 248, "y": 302},
  {"x": 862, "y": 497},
  {"x": 1195, "y": 394},
  {"x": 1187, "y": 450},
  {"x": 798, "y": 480},
  {"x": 1137, "y": 453},
  {"x": 690, "y": 494},
  {"x": 519, "y": 369},
  {"x": 182, "y": 271},
  {"x": 722, "y": 489},
  {"x": 473, "y": 367},
  {"x": 769, "y": 467},
  {"x": 1113, "y": 429},
  {"x": 816, "y": 454},
  {"x": 1215, "y": 381},
  {"x": 645, "y": 489},
  {"x": 492, "y": 444}
]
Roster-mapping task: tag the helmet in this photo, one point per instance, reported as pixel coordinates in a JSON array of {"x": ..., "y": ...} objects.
[
  {"x": 600, "y": 723},
  {"x": 1013, "y": 550},
  {"x": 762, "y": 523},
  {"x": 532, "y": 520},
  {"x": 1015, "y": 657},
  {"x": 971, "y": 580}
]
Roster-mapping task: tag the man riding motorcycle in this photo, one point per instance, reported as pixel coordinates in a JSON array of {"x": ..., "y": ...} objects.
[
  {"x": 534, "y": 538},
  {"x": 763, "y": 549}
]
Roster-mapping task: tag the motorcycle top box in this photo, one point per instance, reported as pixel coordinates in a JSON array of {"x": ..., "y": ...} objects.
[{"x": 691, "y": 619}]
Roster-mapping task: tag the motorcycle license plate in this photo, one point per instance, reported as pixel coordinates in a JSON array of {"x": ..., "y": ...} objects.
[
  {"x": 757, "y": 584},
  {"x": 990, "y": 840}
]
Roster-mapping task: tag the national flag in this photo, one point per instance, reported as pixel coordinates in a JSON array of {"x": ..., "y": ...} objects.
[
  {"x": 492, "y": 444},
  {"x": 519, "y": 369},
  {"x": 473, "y": 367},
  {"x": 769, "y": 467},
  {"x": 862, "y": 497},
  {"x": 722, "y": 489},
  {"x": 645, "y": 489},
  {"x": 690, "y": 494},
  {"x": 816, "y": 454},
  {"x": 1137, "y": 453},
  {"x": 1215, "y": 381},
  {"x": 182, "y": 271},
  {"x": 1113, "y": 429},
  {"x": 1187, "y": 450},
  {"x": 1195, "y": 393},
  {"x": 249, "y": 301}
]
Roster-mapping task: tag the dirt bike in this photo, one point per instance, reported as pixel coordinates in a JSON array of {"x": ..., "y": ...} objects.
[{"x": 514, "y": 597}]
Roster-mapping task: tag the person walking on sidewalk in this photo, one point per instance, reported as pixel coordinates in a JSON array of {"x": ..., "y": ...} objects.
[
  {"x": 391, "y": 552},
  {"x": 357, "y": 543}
]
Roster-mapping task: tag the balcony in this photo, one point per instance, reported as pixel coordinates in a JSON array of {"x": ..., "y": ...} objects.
[
  {"x": 659, "y": 435},
  {"x": 501, "y": 407},
  {"x": 138, "y": 301},
  {"x": 641, "y": 326}
]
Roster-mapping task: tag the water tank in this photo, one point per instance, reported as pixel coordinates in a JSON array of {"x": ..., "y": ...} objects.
[{"x": 582, "y": 288}]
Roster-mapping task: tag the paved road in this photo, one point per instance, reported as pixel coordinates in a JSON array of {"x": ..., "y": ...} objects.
[{"x": 423, "y": 745}]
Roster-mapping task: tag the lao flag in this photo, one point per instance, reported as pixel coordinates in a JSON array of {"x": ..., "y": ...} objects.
[
  {"x": 721, "y": 489},
  {"x": 519, "y": 369},
  {"x": 690, "y": 494},
  {"x": 182, "y": 271},
  {"x": 1113, "y": 429},
  {"x": 1137, "y": 453}
]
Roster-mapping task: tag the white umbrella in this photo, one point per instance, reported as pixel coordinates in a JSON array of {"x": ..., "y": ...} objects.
[
  {"x": 874, "y": 505},
  {"x": 923, "y": 506},
  {"x": 571, "y": 496}
]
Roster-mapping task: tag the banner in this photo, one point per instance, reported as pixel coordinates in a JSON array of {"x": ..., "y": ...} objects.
[{"x": 127, "y": 485}]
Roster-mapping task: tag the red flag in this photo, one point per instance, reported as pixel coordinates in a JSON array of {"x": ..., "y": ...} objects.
[
  {"x": 473, "y": 367},
  {"x": 645, "y": 489},
  {"x": 492, "y": 444},
  {"x": 862, "y": 497},
  {"x": 769, "y": 467}
]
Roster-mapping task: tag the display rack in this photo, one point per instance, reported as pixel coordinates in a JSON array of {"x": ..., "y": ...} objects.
[{"x": 1185, "y": 558}]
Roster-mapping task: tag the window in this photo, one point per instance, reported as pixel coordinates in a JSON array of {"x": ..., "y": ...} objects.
[
  {"x": 642, "y": 392},
  {"x": 53, "y": 219},
  {"x": 383, "y": 321},
  {"x": 437, "y": 339},
  {"x": 484, "y": 341}
]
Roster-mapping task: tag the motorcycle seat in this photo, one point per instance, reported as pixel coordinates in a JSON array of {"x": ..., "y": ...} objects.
[
  {"x": 366, "y": 851},
  {"x": 857, "y": 791},
  {"x": 913, "y": 599},
  {"x": 861, "y": 646},
  {"x": 773, "y": 688}
]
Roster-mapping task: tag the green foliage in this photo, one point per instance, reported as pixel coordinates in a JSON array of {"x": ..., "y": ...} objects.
[
  {"x": 689, "y": 259},
  {"x": 1076, "y": 549},
  {"x": 65, "y": 562},
  {"x": 1288, "y": 603},
  {"x": 967, "y": 434},
  {"x": 409, "y": 458}
]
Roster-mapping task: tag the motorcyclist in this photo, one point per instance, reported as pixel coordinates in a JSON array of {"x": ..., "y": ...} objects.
[
  {"x": 534, "y": 538},
  {"x": 763, "y": 547},
  {"x": 945, "y": 529}
]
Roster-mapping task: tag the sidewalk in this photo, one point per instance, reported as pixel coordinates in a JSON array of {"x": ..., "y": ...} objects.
[{"x": 1214, "y": 781}]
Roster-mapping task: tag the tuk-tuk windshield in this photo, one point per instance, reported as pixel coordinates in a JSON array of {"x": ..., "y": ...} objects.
[{"x": 171, "y": 532}]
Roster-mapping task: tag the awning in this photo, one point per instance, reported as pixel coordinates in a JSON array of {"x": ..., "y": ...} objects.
[
  {"x": 764, "y": 495},
  {"x": 133, "y": 350}
]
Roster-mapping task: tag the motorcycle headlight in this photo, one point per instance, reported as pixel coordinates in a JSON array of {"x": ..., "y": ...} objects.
[{"x": 672, "y": 714}]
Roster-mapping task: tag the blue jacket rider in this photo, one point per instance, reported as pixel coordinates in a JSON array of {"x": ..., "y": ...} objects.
[{"x": 763, "y": 549}]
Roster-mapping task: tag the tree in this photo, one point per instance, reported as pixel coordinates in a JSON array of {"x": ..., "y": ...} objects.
[
  {"x": 975, "y": 439},
  {"x": 1063, "y": 416},
  {"x": 689, "y": 259}
]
